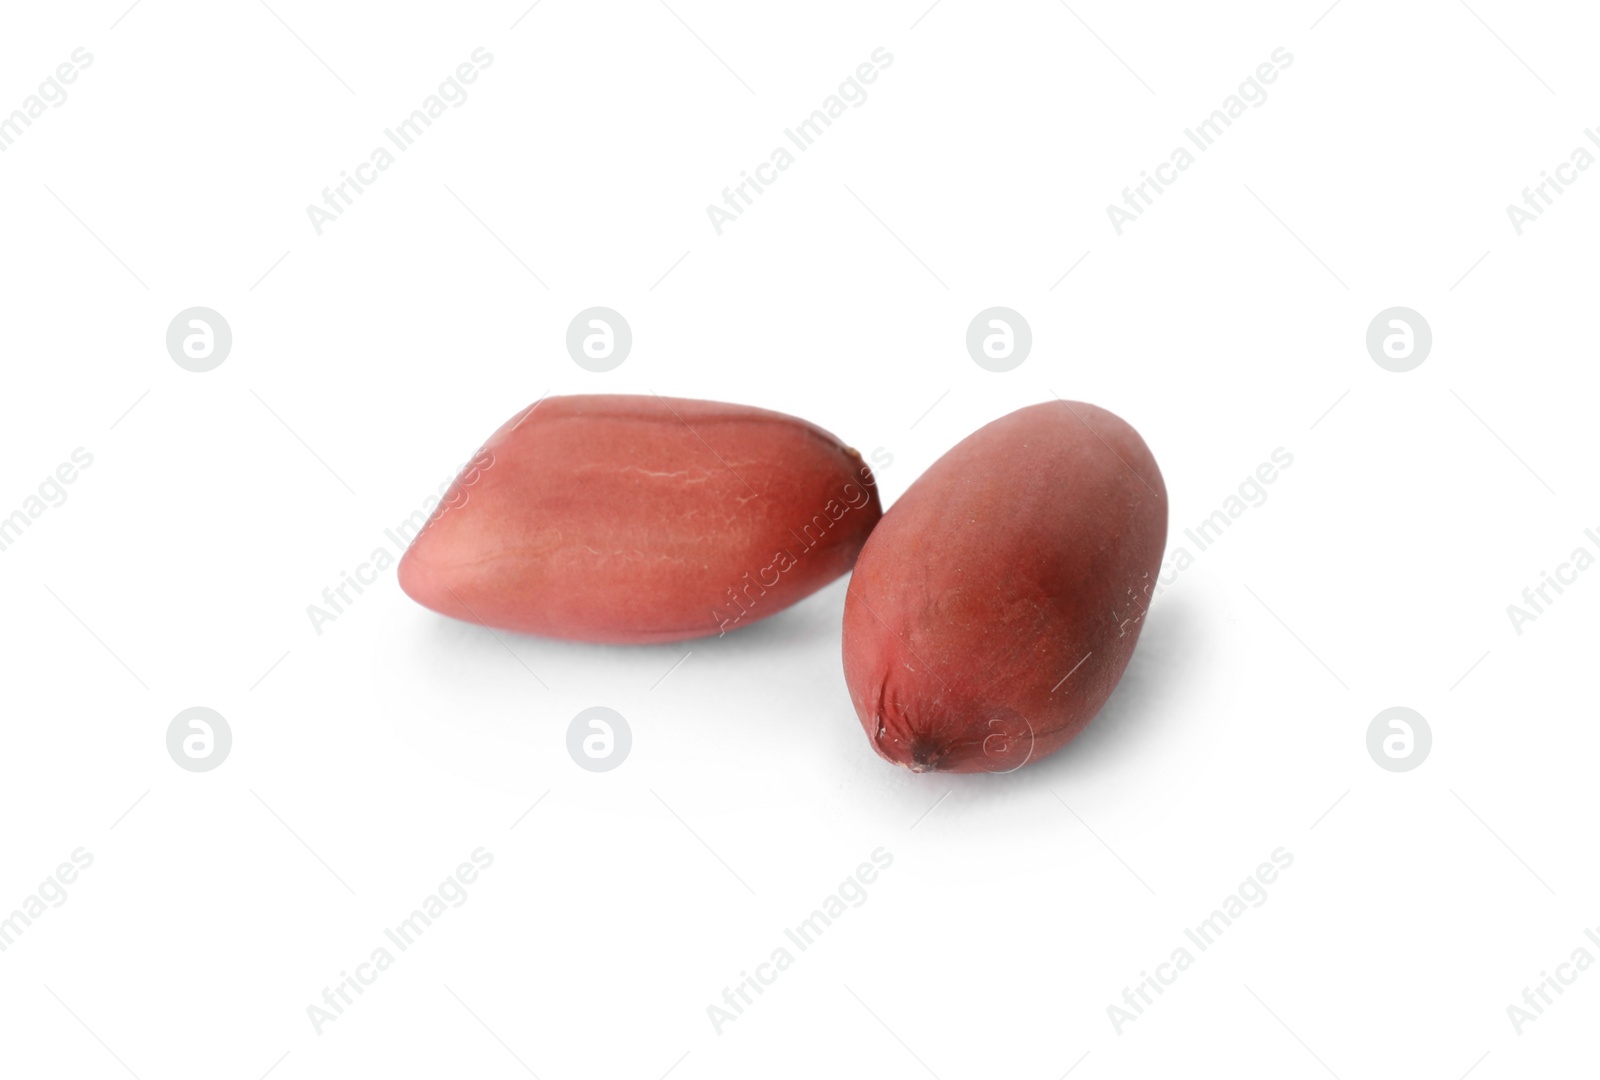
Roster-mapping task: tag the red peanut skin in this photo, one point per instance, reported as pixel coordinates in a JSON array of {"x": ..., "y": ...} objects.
[
  {"x": 1032, "y": 544},
  {"x": 631, "y": 519}
]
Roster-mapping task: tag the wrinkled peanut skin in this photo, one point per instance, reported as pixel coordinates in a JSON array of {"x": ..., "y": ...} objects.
[
  {"x": 634, "y": 519},
  {"x": 996, "y": 605}
]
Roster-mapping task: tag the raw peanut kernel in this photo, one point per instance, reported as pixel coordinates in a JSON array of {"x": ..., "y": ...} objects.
[
  {"x": 995, "y": 607},
  {"x": 626, "y": 519}
]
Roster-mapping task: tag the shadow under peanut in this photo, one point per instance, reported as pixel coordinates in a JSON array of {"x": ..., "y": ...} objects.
[{"x": 1146, "y": 698}]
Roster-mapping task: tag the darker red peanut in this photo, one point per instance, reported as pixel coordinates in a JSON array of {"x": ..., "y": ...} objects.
[
  {"x": 626, "y": 519},
  {"x": 995, "y": 607}
]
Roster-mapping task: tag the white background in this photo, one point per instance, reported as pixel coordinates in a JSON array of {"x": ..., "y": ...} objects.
[{"x": 369, "y": 362}]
